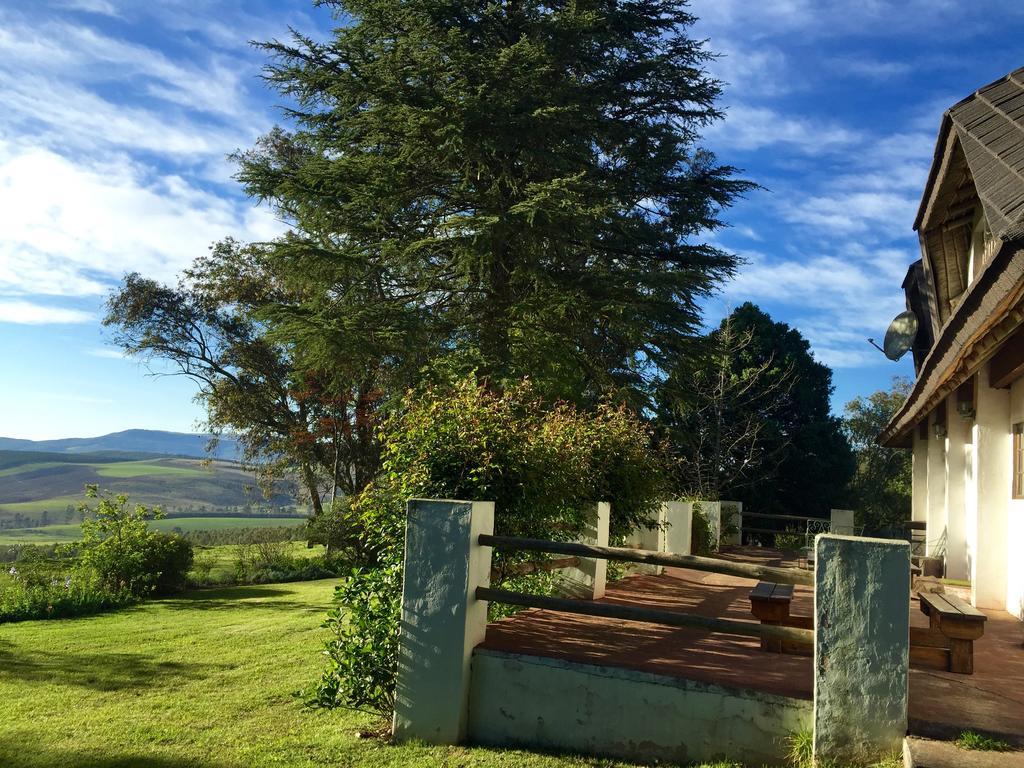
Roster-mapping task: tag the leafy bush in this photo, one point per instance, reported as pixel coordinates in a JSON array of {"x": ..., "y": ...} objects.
[
  {"x": 168, "y": 559},
  {"x": 543, "y": 465},
  {"x": 362, "y": 655},
  {"x": 69, "y": 595},
  {"x": 123, "y": 553},
  {"x": 702, "y": 535}
]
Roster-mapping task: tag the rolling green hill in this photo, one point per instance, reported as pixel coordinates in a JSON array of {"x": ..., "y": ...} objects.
[{"x": 40, "y": 488}]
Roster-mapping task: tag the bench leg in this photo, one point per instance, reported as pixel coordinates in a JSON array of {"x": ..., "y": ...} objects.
[
  {"x": 961, "y": 657},
  {"x": 768, "y": 644}
]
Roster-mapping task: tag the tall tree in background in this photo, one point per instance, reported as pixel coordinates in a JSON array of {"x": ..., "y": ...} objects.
[
  {"x": 880, "y": 489},
  {"x": 514, "y": 186},
  {"x": 753, "y": 423}
]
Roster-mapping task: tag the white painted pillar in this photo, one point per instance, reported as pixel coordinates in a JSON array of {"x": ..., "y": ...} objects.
[
  {"x": 936, "y": 535},
  {"x": 678, "y": 517},
  {"x": 993, "y": 445},
  {"x": 919, "y": 479},
  {"x": 958, "y": 438},
  {"x": 587, "y": 580},
  {"x": 841, "y": 522},
  {"x": 442, "y": 621},
  {"x": 861, "y": 648},
  {"x": 731, "y": 514}
]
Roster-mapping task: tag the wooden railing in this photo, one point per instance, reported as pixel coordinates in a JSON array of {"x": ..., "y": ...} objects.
[
  {"x": 649, "y": 615},
  {"x": 650, "y": 557}
]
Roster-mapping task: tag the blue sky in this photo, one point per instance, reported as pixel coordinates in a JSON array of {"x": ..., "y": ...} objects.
[{"x": 117, "y": 115}]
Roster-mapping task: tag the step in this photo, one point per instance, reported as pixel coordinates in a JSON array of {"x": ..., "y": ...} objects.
[{"x": 928, "y": 753}]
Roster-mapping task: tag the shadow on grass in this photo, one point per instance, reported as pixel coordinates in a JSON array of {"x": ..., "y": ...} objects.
[
  {"x": 99, "y": 671},
  {"x": 25, "y": 752},
  {"x": 248, "y": 598}
]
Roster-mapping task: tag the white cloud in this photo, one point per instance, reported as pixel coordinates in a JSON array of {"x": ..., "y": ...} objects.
[
  {"x": 71, "y": 228},
  {"x": 110, "y": 354},
  {"x": 836, "y": 301},
  {"x": 750, "y": 128},
  {"x": 29, "y": 313}
]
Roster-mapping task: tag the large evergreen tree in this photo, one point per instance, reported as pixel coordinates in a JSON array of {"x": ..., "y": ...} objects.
[
  {"x": 753, "y": 421},
  {"x": 513, "y": 185}
]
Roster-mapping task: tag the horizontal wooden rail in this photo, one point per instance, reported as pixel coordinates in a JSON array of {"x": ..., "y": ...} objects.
[
  {"x": 627, "y": 555},
  {"x": 800, "y": 518},
  {"x": 649, "y": 615}
]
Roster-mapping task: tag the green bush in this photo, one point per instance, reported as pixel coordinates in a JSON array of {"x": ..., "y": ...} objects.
[
  {"x": 544, "y": 465},
  {"x": 168, "y": 559},
  {"x": 701, "y": 534}
]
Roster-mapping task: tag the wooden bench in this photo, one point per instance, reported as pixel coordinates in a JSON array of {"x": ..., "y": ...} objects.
[
  {"x": 948, "y": 642},
  {"x": 770, "y": 604}
]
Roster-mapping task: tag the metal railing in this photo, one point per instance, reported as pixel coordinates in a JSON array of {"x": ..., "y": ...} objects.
[{"x": 649, "y": 615}]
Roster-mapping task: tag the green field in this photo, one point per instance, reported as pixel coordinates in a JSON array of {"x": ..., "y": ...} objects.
[
  {"x": 144, "y": 468},
  {"x": 37, "y": 488},
  {"x": 204, "y": 680},
  {"x": 58, "y": 534}
]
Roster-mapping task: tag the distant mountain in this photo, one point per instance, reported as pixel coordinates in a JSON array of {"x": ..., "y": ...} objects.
[{"x": 131, "y": 440}]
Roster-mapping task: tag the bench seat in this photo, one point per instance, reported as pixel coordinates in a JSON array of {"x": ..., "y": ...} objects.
[{"x": 948, "y": 642}]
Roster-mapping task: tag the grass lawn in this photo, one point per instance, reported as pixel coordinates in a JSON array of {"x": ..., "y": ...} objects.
[{"x": 201, "y": 680}]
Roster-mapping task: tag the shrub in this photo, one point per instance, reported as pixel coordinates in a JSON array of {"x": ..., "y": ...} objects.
[
  {"x": 543, "y": 466},
  {"x": 702, "y": 535},
  {"x": 362, "y": 654},
  {"x": 168, "y": 559},
  {"x": 124, "y": 555}
]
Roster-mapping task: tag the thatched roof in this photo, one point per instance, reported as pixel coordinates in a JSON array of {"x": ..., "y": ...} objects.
[
  {"x": 990, "y": 127},
  {"x": 979, "y": 157}
]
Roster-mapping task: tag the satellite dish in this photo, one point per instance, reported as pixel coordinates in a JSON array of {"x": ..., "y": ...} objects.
[{"x": 900, "y": 336}]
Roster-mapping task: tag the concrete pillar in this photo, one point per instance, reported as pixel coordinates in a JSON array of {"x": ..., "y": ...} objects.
[
  {"x": 712, "y": 510},
  {"x": 861, "y": 648},
  {"x": 442, "y": 621},
  {"x": 678, "y": 516},
  {"x": 936, "y": 535},
  {"x": 731, "y": 513},
  {"x": 958, "y": 438},
  {"x": 993, "y": 457},
  {"x": 919, "y": 479},
  {"x": 652, "y": 539},
  {"x": 587, "y": 580},
  {"x": 841, "y": 521}
]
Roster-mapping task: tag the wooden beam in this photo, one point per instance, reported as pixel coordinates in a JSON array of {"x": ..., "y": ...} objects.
[
  {"x": 1007, "y": 365},
  {"x": 628, "y": 555},
  {"x": 649, "y": 615}
]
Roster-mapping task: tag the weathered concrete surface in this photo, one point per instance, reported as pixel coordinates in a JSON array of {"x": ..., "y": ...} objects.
[
  {"x": 678, "y": 517},
  {"x": 926, "y": 753},
  {"x": 555, "y": 704},
  {"x": 587, "y": 580},
  {"x": 861, "y": 603},
  {"x": 442, "y": 621}
]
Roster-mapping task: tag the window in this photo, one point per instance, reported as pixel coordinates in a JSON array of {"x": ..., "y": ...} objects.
[{"x": 1018, "y": 460}]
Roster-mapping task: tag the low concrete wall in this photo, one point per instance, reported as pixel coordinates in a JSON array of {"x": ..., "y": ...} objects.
[{"x": 529, "y": 701}]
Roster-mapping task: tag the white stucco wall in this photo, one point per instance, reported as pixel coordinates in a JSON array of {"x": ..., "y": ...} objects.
[
  {"x": 958, "y": 437},
  {"x": 1015, "y": 522},
  {"x": 919, "y": 479},
  {"x": 993, "y": 457},
  {"x": 936, "y": 542}
]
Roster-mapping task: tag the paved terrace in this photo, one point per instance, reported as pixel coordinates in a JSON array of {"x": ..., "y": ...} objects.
[{"x": 941, "y": 703}]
